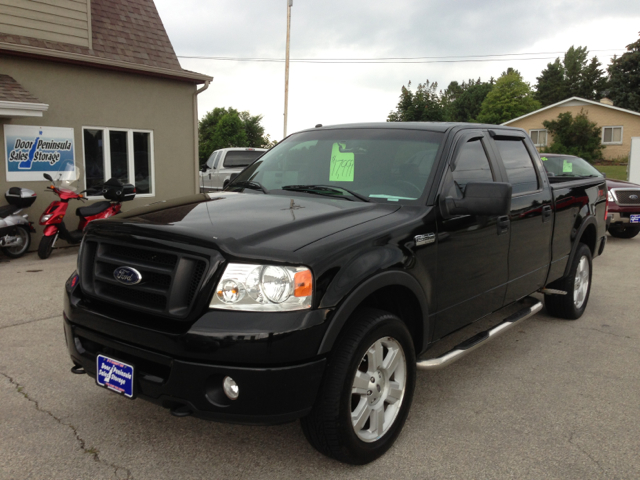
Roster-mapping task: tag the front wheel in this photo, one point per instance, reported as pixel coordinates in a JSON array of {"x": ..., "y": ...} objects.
[
  {"x": 367, "y": 391},
  {"x": 46, "y": 246},
  {"x": 23, "y": 242},
  {"x": 577, "y": 285},
  {"x": 624, "y": 232}
]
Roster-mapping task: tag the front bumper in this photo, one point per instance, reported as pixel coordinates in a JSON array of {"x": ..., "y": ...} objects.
[
  {"x": 185, "y": 371},
  {"x": 622, "y": 219}
]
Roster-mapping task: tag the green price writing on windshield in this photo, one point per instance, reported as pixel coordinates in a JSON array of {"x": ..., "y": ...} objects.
[
  {"x": 342, "y": 164},
  {"x": 567, "y": 167}
]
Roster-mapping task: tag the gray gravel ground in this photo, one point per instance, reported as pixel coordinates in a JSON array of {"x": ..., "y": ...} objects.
[{"x": 550, "y": 399}]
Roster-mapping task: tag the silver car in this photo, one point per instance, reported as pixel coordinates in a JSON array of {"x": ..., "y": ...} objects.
[{"x": 216, "y": 173}]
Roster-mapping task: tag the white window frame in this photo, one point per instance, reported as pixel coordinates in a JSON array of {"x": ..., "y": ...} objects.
[
  {"x": 612, "y": 127},
  {"x": 546, "y": 136},
  {"x": 106, "y": 157}
]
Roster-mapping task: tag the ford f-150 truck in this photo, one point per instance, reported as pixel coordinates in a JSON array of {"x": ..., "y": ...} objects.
[{"x": 327, "y": 273}]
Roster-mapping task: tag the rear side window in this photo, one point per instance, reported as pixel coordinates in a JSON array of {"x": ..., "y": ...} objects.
[
  {"x": 519, "y": 166},
  {"x": 240, "y": 159},
  {"x": 472, "y": 165}
]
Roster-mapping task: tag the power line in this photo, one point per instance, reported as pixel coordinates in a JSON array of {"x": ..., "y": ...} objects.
[{"x": 392, "y": 60}]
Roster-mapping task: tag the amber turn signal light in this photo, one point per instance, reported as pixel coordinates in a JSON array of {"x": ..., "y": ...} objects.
[{"x": 303, "y": 284}]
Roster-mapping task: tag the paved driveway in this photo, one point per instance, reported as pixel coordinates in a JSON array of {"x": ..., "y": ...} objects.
[{"x": 550, "y": 399}]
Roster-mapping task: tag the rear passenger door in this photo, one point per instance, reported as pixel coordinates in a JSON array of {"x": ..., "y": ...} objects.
[{"x": 531, "y": 216}]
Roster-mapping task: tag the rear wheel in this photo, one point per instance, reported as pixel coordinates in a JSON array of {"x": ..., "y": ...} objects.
[
  {"x": 577, "y": 285},
  {"x": 624, "y": 232},
  {"x": 46, "y": 246},
  {"x": 367, "y": 391},
  {"x": 23, "y": 239}
]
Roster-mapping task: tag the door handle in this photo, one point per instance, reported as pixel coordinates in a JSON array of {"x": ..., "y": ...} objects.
[
  {"x": 503, "y": 224},
  {"x": 546, "y": 213}
]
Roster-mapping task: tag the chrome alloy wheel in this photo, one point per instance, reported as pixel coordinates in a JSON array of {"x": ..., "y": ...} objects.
[
  {"x": 378, "y": 389},
  {"x": 581, "y": 282}
]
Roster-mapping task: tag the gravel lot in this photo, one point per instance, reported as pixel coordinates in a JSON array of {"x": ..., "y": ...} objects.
[{"x": 550, "y": 399}]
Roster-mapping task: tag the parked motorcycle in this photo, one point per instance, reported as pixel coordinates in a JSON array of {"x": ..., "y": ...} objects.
[
  {"x": 113, "y": 190},
  {"x": 15, "y": 229}
]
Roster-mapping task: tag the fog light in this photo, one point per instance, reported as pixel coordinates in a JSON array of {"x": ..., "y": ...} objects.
[{"x": 230, "y": 388}]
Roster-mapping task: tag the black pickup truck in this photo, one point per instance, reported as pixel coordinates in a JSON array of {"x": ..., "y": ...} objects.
[{"x": 327, "y": 273}]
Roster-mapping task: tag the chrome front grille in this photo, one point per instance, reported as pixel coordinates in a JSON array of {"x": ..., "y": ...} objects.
[
  {"x": 627, "y": 196},
  {"x": 170, "y": 280}
]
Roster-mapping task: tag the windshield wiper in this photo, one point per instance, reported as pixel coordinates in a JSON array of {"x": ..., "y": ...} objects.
[
  {"x": 253, "y": 185},
  {"x": 318, "y": 189},
  {"x": 577, "y": 176}
]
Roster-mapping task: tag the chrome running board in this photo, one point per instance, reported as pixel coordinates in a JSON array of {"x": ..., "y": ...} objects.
[{"x": 531, "y": 307}]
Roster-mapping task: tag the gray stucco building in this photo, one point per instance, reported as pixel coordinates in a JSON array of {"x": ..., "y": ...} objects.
[{"x": 103, "y": 76}]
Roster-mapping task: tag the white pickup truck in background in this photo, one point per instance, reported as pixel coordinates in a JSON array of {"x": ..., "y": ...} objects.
[{"x": 216, "y": 173}]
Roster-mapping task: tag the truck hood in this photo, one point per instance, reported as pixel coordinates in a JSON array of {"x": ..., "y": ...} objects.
[
  {"x": 621, "y": 184},
  {"x": 247, "y": 224}
]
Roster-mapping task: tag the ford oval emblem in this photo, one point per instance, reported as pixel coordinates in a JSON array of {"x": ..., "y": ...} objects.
[
  {"x": 127, "y": 275},
  {"x": 633, "y": 197}
]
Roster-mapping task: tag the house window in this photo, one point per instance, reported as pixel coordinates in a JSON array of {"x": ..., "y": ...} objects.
[
  {"x": 121, "y": 153},
  {"x": 611, "y": 135},
  {"x": 539, "y": 137}
]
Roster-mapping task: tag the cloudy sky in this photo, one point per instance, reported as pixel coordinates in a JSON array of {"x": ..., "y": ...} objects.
[{"x": 331, "y": 93}]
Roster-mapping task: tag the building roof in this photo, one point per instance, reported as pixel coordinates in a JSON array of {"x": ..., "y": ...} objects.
[
  {"x": 125, "y": 35},
  {"x": 12, "y": 91},
  {"x": 572, "y": 102},
  {"x": 17, "y": 101}
]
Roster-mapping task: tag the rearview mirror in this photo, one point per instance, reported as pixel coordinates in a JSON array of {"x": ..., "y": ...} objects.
[
  {"x": 490, "y": 198},
  {"x": 48, "y": 177}
]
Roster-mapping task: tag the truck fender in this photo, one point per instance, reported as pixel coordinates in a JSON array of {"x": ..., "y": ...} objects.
[
  {"x": 589, "y": 221},
  {"x": 366, "y": 288}
]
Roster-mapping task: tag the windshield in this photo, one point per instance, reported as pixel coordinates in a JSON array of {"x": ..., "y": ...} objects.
[
  {"x": 380, "y": 165},
  {"x": 568, "y": 166},
  {"x": 66, "y": 177},
  {"x": 240, "y": 159}
]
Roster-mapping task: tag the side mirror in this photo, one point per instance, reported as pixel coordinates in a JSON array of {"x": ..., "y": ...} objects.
[
  {"x": 48, "y": 177},
  {"x": 204, "y": 168},
  {"x": 490, "y": 198}
]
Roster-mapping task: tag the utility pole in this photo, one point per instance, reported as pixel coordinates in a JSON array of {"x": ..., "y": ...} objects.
[{"x": 286, "y": 68}]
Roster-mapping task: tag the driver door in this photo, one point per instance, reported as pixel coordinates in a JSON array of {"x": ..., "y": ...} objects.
[{"x": 472, "y": 270}]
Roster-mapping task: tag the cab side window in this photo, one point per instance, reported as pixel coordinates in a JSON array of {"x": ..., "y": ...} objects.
[
  {"x": 519, "y": 166},
  {"x": 471, "y": 165},
  {"x": 215, "y": 162}
]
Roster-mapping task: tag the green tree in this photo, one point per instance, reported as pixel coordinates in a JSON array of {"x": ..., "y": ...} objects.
[
  {"x": 511, "y": 97},
  {"x": 575, "y": 60},
  {"x": 624, "y": 77},
  {"x": 574, "y": 77},
  {"x": 466, "y": 105},
  {"x": 574, "y": 136},
  {"x": 422, "y": 106},
  {"x": 227, "y": 127},
  {"x": 551, "y": 87}
]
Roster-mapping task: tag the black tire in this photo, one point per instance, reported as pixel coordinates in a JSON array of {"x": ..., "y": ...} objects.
[
  {"x": 46, "y": 246},
  {"x": 624, "y": 232},
  {"x": 18, "y": 251},
  {"x": 572, "y": 305},
  {"x": 329, "y": 426}
]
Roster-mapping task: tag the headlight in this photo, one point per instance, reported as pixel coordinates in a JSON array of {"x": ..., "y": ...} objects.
[
  {"x": 263, "y": 288},
  {"x": 610, "y": 196},
  {"x": 45, "y": 218}
]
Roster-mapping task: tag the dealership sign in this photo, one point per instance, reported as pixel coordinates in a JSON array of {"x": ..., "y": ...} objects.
[{"x": 32, "y": 151}]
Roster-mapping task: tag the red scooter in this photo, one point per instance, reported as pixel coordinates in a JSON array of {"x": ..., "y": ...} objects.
[{"x": 53, "y": 216}]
